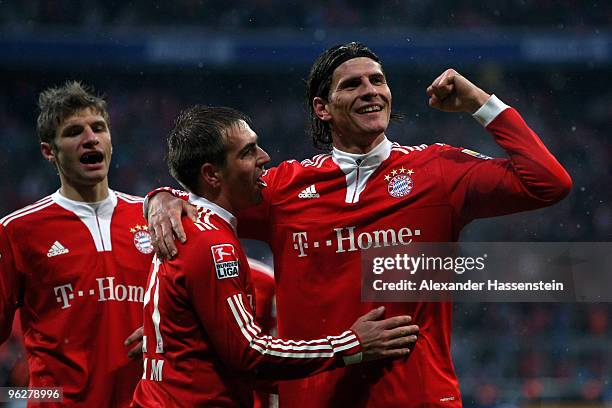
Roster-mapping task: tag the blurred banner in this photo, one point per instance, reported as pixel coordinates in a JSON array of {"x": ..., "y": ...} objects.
[{"x": 180, "y": 47}]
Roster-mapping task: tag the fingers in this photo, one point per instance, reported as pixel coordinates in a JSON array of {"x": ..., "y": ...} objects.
[
  {"x": 191, "y": 211},
  {"x": 136, "y": 351},
  {"x": 159, "y": 229},
  {"x": 395, "y": 353},
  {"x": 401, "y": 342},
  {"x": 395, "y": 321},
  {"x": 373, "y": 314},
  {"x": 404, "y": 331},
  {"x": 135, "y": 336},
  {"x": 441, "y": 87}
]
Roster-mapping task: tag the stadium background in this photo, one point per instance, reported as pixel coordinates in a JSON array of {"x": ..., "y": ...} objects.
[{"x": 546, "y": 58}]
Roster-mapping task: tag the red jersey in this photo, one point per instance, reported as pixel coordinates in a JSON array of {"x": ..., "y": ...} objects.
[
  {"x": 265, "y": 305},
  {"x": 77, "y": 273},
  {"x": 319, "y": 214},
  {"x": 202, "y": 346},
  {"x": 265, "y": 314}
]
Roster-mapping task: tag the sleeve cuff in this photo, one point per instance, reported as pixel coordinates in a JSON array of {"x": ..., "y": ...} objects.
[{"x": 489, "y": 111}]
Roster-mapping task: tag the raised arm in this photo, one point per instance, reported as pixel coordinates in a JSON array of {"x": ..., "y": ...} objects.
[{"x": 480, "y": 186}]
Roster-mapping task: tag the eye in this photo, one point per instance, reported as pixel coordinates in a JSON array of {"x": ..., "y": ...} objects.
[
  {"x": 377, "y": 80},
  {"x": 73, "y": 131},
  {"x": 351, "y": 83},
  {"x": 99, "y": 127},
  {"x": 249, "y": 151}
]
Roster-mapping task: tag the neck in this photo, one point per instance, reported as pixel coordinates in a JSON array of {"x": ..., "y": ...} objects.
[
  {"x": 358, "y": 146},
  {"x": 88, "y": 194},
  {"x": 217, "y": 198}
]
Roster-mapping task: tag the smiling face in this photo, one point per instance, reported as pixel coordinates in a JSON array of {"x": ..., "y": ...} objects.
[
  {"x": 359, "y": 105},
  {"x": 81, "y": 152},
  {"x": 245, "y": 160}
]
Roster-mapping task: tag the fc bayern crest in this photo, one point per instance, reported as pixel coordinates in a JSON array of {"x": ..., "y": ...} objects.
[
  {"x": 400, "y": 186},
  {"x": 142, "y": 239}
]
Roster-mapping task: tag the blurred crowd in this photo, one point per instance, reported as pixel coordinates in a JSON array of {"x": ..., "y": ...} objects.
[
  {"x": 503, "y": 352},
  {"x": 317, "y": 14}
]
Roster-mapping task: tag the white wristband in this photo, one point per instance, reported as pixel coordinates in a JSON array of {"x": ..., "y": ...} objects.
[
  {"x": 489, "y": 110},
  {"x": 352, "y": 359}
]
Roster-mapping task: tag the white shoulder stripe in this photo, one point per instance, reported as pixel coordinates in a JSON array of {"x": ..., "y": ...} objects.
[
  {"x": 129, "y": 198},
  {"x": 207, "y": 221},
  {"x": 206, "y": 224},
  {"x": 317, "y": 161},
  {"x": 46, "y": 202},
  {"x": 407, "y": 149},
  {"x": 28, "y": 207},
  {"x": 201, "y": 227}
]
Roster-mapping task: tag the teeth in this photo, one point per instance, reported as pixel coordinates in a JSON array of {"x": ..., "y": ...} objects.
[{"x": 371, "y": 109}]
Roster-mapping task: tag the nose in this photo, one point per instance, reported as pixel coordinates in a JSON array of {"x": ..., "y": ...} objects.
[
  {"x": 263, "y": 157},
  {"x": 369, "y": 90},
  {"x": 90, "y": 138}
]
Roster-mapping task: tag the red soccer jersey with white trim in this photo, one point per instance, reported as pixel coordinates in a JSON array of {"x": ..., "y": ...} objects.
[
  {"x": 265, "y": 314},
  {"x": 317, "y": 215},
  {"x": 202, "y": 344},
  {"x": 77, "y": 273}
]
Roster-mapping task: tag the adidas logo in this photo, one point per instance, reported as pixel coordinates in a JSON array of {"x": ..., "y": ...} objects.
[
  {"x": 309, "y": 192},
  {"x": 56, "y": 249}
]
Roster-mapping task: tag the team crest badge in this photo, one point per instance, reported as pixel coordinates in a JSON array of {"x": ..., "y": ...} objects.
[
  {"x": 142, "y": 239},
  {"x": 400, "y": 183},
  {"x": 225, "y": 260}
]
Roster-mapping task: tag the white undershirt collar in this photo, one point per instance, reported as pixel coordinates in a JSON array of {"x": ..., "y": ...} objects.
[
  {"x": 96, "y": 216},
  {"x": 217, "y": 209},
  {"x": 348, "y": 161},
  {"x": 359, "y": 167}
]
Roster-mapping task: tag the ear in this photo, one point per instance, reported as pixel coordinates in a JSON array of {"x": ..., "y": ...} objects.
[
  {"x": 210, "y": 176},
  {"x": 47, "y": 151},
  {"x": 320, "y": 109}
]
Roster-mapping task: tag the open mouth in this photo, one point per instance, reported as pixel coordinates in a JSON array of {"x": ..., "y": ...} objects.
[
  {"x": 369, "y": 109},
  {"x": 91, "y": 158},
  {"x": 260, "y": 182}
]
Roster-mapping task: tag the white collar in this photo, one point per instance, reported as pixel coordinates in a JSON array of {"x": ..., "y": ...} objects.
[
  {"x": 373, "y": 158},
  {"x": 220, "y": 211},
  {"x": 84, "y": 209}
]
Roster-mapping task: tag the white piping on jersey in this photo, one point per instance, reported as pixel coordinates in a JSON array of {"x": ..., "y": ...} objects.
[
  {"x": 130, "y": 198},
  {"x": 317, "y": 161},
  {"x": 96, "y": 217},
  {"x": 359, "y": 167},
  {"x": 286, "y": 348},
  {"x": 213, "y": 208},
  {"x": 206, "y": 224},
  {"x": 396, "y": 147},
  {"x": 37, "y": 206}
]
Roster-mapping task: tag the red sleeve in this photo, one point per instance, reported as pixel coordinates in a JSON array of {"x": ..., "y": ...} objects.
[
  {"x": 9, "y": 285},
  {"x": 529, "y": 178},
  {"x": 223, "y": 307}
]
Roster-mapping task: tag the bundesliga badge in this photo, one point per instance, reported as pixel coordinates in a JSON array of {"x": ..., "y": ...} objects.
[
  {"x": 400, "y": 183},
  {"x": 142, "y": 239},
  {"x": 226, "y": 262}
]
